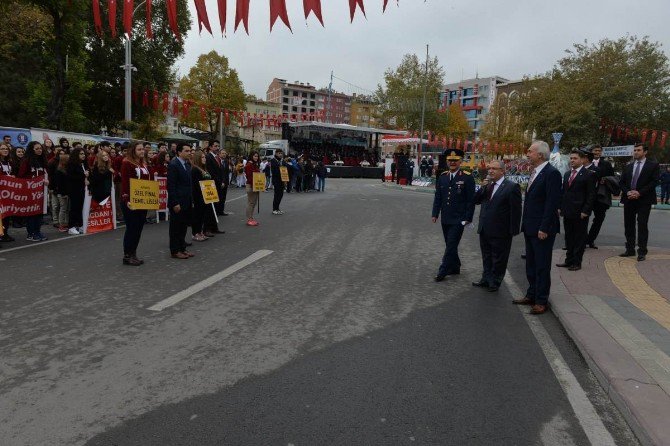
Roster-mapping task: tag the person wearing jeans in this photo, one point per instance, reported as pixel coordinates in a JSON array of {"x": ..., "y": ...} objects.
[
  {"x": 133, "y": 166},
  {"x": 34, "y": 165},
  {"x": 321, "y": 172},
  {"x": 253, "y": 166}
]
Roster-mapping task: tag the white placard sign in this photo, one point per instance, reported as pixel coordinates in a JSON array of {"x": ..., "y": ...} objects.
[{"x": 618, "y": 151}]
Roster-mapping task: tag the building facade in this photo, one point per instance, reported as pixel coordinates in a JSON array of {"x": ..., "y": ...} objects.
[
  {"x": 259, "y": 129},
  {"x": 295, "y": 98},
  {"x": 476, "y": 96},
  {"x": 363, "y": 111},
  {"x": 334, "y": 107}
]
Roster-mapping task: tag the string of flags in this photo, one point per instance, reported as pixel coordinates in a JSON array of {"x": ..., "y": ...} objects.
[
  {"x": 626, "y": 133},
  {"x": 183, "y": 107},
  {"x": 277, "y": 11},
  {"x": 472, "y": 146}
]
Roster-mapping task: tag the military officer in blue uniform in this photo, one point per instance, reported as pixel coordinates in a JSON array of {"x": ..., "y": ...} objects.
[{"x": 455, "y": 199}]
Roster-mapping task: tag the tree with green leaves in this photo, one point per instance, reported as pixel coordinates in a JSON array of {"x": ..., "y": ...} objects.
[
  {"x": 503, "y": 121},
  {"x": 623, "y": 81},
  {"x": 213, "y": 82},
  {"x": 400, "y": 99}
]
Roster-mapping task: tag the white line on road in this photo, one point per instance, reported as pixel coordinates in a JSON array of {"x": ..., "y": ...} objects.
[
  {"x": 190, "y": 291},
  {"x": 588, "y": 418}
]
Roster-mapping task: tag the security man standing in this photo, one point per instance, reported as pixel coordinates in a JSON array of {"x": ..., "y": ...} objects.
[{"x": 455, "y": 199}]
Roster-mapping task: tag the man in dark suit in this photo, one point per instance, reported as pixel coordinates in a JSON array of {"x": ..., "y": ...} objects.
[
  {"x": 180, "y": 200},
  {"x": 579, "y": 194},
  {"x": 638, "y": 192},
  {"x": 540, "y": 225},
  {"x": 499, "y": 219},
  {"x": 214, "y": 167},
  {"x": 455, "y": 199},
  {"x": 603, "y": 169},
  {"x": 278, "y": 185}
]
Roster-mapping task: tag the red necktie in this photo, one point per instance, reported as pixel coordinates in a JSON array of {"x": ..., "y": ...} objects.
[{"x": 572, "y": 177}]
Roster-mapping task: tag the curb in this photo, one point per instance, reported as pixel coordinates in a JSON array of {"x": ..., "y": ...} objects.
[
  {"x": 641, "y": 401},
  {"x": 425, "y": 190}
]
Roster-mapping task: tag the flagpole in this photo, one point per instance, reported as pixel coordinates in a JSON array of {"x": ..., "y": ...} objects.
[{"x": 423, "y": 108}]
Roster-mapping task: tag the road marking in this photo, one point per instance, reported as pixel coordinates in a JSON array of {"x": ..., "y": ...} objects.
[
  {"x": 625, "y": 276},
  {"x": 190, "y": 291},
  {"x": 588, "y": 418}
]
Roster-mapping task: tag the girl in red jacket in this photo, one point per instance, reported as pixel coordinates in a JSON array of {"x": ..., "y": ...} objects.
[
  {"x": 133, "y": 166},
  {"x": 253, "y": 165},
  {"x": 34, "y": 165}
]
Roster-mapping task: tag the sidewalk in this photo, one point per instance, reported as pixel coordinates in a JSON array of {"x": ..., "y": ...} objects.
[{"x": 617, "y": 311}]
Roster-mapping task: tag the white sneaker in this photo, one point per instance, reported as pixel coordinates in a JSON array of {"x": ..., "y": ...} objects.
[
  {"x": 280, "y": 212},
  {"x": 81, "y": 230},
  {"x": 275, "y": 212},
  {"x": 73, "y": 231}
]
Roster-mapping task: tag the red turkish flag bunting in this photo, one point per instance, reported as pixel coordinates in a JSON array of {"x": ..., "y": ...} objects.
[
  {"x": 386, "y": 2},
  {"x": 172, "y": 17},
  {"x": 352, "y": 8},
  {"x": 128, "y": 6},
  {"x": 242, "y": 14},
  {"x": 313, "y": 6},
  {"x": 278, "y": 9},
  {"x": 222, "y": 15},
  {"x": 203, "y": 20},
  {"x": 96, "y": 17},
  {"x": 155, "y": 100},
  {"x": 150, "y": 33},
  {"x": 644, "y": 135},
  {"x": 654, "y": 134},
  {"x": 145, "y": 99},
  {"x": 166, "y": 102},
  {"x": 175, "y": 106},
  {"x": 664, "y": 137},
  {"x": 112, "y": 17}
]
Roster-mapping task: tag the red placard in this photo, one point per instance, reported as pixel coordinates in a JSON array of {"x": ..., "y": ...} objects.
[
  {"x": 162, "y": 193},
  {"x": 21, "y": 197},
  {"x": 100, "y": 216}
]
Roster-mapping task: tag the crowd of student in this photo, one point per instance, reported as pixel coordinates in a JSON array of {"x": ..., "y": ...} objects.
[{"x": 105, "y": 169}]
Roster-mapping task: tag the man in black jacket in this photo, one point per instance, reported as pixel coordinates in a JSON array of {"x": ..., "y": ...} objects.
[
  {"x": 277, "y": 184},
  {"x": 180, "y": 200},
  {"x": 214, "y": 167},
  {"x": 499, "y": 221},
  {"x": 603, "y": 170},
  {"x": 638, "y": 192},
  {"x": 579, "y": 194}
]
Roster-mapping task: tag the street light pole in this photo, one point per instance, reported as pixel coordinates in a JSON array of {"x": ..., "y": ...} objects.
[{"x": 129, "y": 68}]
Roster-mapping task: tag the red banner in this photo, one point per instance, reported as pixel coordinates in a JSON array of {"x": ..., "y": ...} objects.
[
  {"x": 313, "y": 6},
  {"x": 100, "y": 216},
  {"x": 21, "y": 197},
  {"x": 162, "y": 193},
  {"x": 278, "y": 9}
]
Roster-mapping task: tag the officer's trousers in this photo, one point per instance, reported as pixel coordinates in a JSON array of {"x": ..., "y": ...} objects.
[{"x": 451, "y": 263}]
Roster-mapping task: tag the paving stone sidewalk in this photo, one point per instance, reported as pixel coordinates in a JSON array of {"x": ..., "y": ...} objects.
[{"x": 617, "y": 311}]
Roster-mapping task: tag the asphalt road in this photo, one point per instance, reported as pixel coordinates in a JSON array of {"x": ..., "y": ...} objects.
[{"x": 339, "y": 336}]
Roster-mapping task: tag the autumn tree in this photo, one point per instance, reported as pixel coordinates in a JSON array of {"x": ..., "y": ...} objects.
[
  {"x": 457, "y": 124},
  {"x": 400, "y": 99},
  {"x": 503, "y": 122},
  {"x": 213, "y": 82}
]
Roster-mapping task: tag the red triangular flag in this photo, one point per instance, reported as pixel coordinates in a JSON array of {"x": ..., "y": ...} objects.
[
  {"x": 242, "y": 14},
  {"x": 128, "y": 6},
  {"x": 386, "y": 2},
  {"x": 96, "y": 17},
  {"x": 222, "y": 15},
  {"x": 155, "y": 99},
  {"x": 664, "y": 137},
  {"x": 145, "y": 99},
  {"x": 201, "y": 10},
  {"x": 278, "y": 9},
  {"x": 313, "y": 6},
  {"x": 150, "y": 33},
  {"x": 653, "y": 138},
  {"x": 112, "y": 17},
  {"x": 175, "y": 106},
  {"x": 172, "y": 17},
  {"x": 166, "y": 102},
  {"x": 352, "y": 8}
]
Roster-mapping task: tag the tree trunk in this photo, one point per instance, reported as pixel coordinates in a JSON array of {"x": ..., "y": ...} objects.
[{"x": 59, "y": 88}]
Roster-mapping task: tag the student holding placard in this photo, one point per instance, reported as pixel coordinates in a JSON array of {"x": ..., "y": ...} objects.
[
  {"x": 200, "y": 208},
  {"x": 133, "y": 166},
  {"x": 253, "y": 166}
]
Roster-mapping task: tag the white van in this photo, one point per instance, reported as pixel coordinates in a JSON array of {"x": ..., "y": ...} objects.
[{"x": 268, "y": 149}]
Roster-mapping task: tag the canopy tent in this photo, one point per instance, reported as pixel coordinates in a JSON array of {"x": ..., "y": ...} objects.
[
  {"x": 180, "y": 137},
  {"x": 393, "y": 141}
]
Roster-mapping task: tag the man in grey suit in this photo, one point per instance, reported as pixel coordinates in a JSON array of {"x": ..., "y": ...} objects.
[{"x": 499, "y": 221}]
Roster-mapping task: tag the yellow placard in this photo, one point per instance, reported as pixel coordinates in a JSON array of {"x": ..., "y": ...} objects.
[
  {"x": 283, "y": 171},
  {"x": 259, "y": 182},
  {"x": 209, "y": 192},
  {"x": 143, "y": 195}
]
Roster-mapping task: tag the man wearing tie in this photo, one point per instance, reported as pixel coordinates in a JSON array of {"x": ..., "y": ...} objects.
[
  {"x": 540, "y": 225},
  {"x": 455, "y": 199},
  {"x": 638, "y": 192},
  {"x": 604, "y": 170},
  {"x": 180, "y": 200},
  {"x": 579, "y": 194},
  {"x": 499, "y": 220}
]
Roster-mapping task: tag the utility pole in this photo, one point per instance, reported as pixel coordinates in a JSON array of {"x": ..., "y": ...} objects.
[
  {"x": 423, "y": 108},
  {"x": 329, "y": 106},
  {"x": 129, "y": 68}
]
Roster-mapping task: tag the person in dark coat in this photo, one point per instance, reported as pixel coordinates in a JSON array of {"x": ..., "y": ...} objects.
[
  {"x": 77, "y": 180},
  {"x": 101, "y": 177},
  {"x": 638, "y": 193},
  {"x": 454, "y": 199},
  {"x": 277, "y": 184},
  {"x": 499, "y": 221},
  {"x": 605, "y": 176},
  {"x": 214, "y": 167},
  {"x": 180, "y": 200},
  {"x": 540, "y": 224},
  {"x": 579, "y": 195},
  {"x": 665, "y": 185}
]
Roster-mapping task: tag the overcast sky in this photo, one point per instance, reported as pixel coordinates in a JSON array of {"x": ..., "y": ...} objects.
[{"x": 506, "y": 38}]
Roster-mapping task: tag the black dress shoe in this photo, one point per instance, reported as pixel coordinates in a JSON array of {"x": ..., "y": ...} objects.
[
  {"x": 492, "y": 289},
  {"x": 565, "y": 248},
  {"x": 523, "y": 256},
  {"x": 454, "y": 273},
  {"x": 563, "y": 265},
  {"x": 627, "y": 254},
  {"x": 188, "y": 244},
  {"x": 439, "y": 278},
  {"x": 592, "y": 246},
  {"x": 641, "y": 258},
  {"x": 481, "y": 284},
  {"x": 225, "y": 214},
  {"x": 575, "y": 268}
]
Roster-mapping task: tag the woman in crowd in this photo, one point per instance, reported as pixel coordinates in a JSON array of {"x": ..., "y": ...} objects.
[
  {"x": 34, "y": 165},
  {"x": 77, "y": 180},
  {"x": 5, "y": 169},
  {"x": 200, "y": 209},
  {"x": 17, "y": 156},
  {"x": 91, "y": 155},
  {"x": 101, "y": 178},
  {"x": 162, "y": 161},
  {"x": 239, "y": 170},
  {"x": 52, "y": 164},
  {"x": 133, "y": 166},
  {"x": 253, "y": 165},
  {"x": 58, "y": 185},
  {"x": 116, "y": 159},
  {"x": 49, "y": 149}
]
